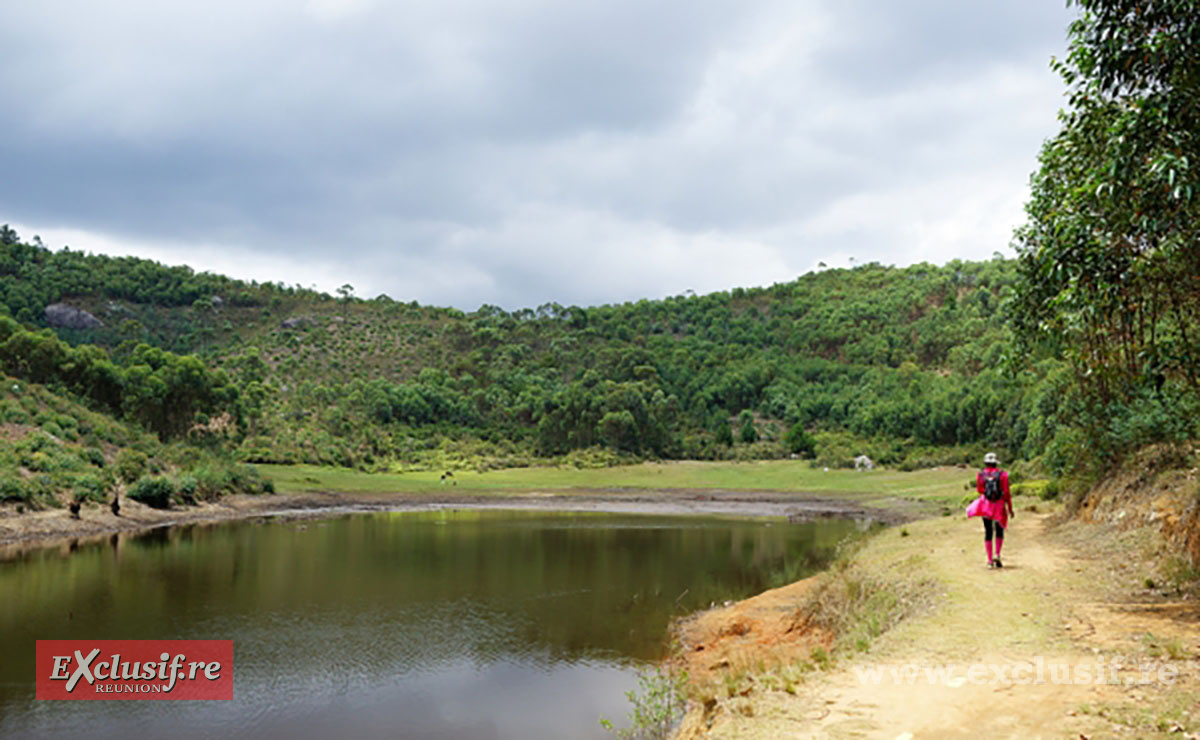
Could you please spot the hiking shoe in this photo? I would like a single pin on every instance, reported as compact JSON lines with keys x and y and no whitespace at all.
{"x":998,"y":563}
{"x":991,"y":564}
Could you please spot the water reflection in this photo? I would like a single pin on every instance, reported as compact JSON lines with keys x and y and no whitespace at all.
{"x":417,"y":624}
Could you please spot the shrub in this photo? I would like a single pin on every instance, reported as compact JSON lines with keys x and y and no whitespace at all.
{"x":12,"y":413}
{"x":658,"y":704}
{"x":88,"y":487}
{"x":12,"y":490}
{"x":799,"y":441}
{"x":131,"y":465}
{"x":39,"y":489}
{"x":93,"y":456}
{"x":748,"y":434}
{"x":153,"y":491}
{"x":188,"y":487}
{"x":211,"y":481}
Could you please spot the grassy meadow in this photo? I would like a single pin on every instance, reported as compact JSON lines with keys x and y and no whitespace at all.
{"x":937,"y":485}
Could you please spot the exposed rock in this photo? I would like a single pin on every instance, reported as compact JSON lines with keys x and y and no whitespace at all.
{"x":62,"y":316}
{"x":296,"y":322}
{"x":218,"y":301}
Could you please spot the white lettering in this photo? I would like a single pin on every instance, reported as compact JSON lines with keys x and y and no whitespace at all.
{"x":83,"y":670}
{"x":176,"y":672}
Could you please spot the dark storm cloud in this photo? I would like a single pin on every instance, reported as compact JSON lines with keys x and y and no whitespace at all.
{"x":519,"y":152}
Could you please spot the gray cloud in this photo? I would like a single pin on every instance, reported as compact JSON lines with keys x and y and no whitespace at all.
{"x":468,"y":152}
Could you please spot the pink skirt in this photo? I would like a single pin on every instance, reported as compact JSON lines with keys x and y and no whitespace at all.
{"x":994,"y":510}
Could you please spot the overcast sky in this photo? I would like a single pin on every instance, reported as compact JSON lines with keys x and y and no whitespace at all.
{"x":515,"y":152}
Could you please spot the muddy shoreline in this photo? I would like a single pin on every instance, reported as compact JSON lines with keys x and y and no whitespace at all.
{"x":32,"y":530}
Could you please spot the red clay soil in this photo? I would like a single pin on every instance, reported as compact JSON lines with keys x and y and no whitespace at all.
{"x":763,"y":631}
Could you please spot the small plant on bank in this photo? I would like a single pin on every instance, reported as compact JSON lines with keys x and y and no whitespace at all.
{"x":821,"y":658}
{"x":1179,"y":572}
{"x":155,"y":492}
{"x":658,"y":704}
{"x":1175,"y":649}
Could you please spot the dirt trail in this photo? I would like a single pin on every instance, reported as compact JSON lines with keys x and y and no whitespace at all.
{"x":1047,"y":607}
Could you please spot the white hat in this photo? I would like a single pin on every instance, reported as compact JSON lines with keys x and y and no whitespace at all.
{"x":991,"y":458}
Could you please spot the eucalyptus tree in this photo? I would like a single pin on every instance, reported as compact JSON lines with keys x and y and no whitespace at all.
{"x":1109,"y":256}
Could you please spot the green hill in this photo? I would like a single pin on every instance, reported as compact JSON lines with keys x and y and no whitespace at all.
{"x":904,"y":364}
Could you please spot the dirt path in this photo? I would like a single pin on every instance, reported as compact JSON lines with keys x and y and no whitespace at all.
{"x":1048,"y":607}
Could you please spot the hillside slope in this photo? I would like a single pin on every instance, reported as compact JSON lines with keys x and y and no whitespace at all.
{"x":906,"y":365}
{"x":54,"y":451}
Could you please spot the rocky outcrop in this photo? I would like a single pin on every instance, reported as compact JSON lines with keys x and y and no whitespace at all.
{"x":62,"y":316}
{"x":297,"y":322}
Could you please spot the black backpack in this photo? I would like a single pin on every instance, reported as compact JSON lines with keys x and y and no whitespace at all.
{"x":991,"y":486}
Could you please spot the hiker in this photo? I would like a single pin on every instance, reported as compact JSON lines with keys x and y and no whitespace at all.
{"x":994,"y":505}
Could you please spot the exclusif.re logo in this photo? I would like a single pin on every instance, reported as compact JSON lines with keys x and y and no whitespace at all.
{"x":134,"y":669}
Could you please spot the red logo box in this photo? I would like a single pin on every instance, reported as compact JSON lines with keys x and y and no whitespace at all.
{"x":134,"y":669}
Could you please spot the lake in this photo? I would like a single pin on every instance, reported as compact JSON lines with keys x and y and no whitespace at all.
{"x":422,"y":624}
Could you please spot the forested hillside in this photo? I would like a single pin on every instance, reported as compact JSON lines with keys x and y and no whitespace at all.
{"x":912,"y":366}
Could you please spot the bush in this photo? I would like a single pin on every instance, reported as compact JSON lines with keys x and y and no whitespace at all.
{"x":93,"y":456}
{"x":131,"y":465}
{"x":748,"y":435}
{"x":12,"y":490}
{"x":155,"y":492}
{"x":12,"y":413}
{"x":211,"y":481}
{"x":658,"y":703}
{"x":723,"y":433}
{"x":188,"y":487}
{"x":89,"y":488}
{"x":799,"y":441}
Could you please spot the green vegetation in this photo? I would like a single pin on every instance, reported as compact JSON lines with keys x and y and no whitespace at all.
{"x":54,"y":450}
{"x":1108,"y":260}
{"x":943,"y":486}
{"x":166,"y":393}
{"x":658,"y":704}
{"x":905,"y":365}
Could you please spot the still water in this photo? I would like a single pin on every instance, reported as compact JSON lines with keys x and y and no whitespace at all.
{"x":434,"y":624}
